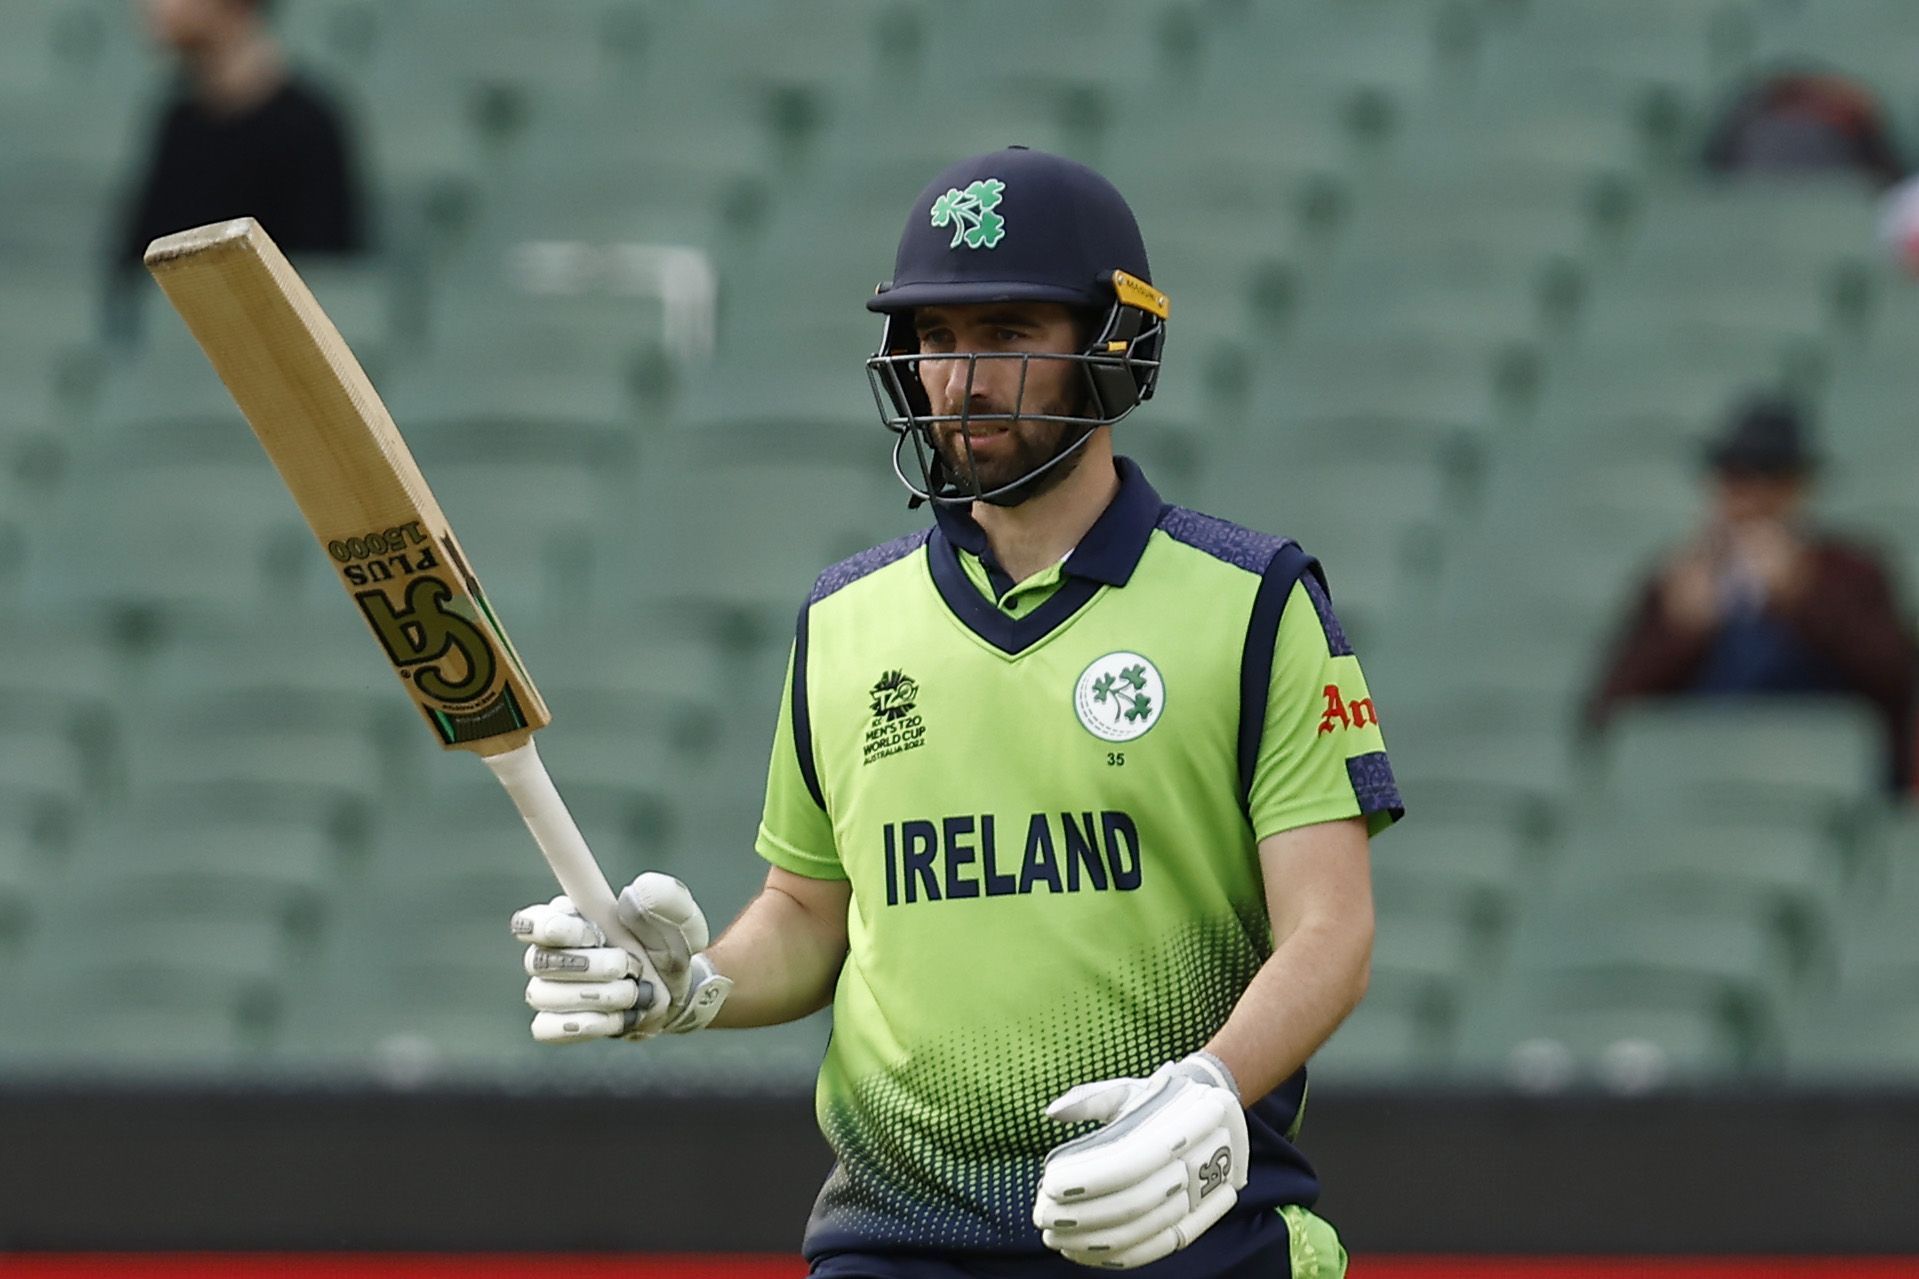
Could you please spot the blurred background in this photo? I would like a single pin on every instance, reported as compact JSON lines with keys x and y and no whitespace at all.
{"x":1579,"y":338}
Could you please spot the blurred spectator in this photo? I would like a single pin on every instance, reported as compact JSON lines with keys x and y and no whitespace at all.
{"x":241,"y":134}
{"x":1801,"y":122}
{"x":1760,"y":602}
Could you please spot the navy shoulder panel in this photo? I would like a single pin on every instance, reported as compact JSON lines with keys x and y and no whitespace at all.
{"x":853,"y":568}
{"x":1221,"y":539}
{"x":1336,"y":642}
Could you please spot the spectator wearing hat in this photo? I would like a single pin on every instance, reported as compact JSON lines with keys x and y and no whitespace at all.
{"x":1760,"y":602}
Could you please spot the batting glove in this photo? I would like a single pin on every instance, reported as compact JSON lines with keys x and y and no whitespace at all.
{"x":581,"y":988}
{"x":1169,"y":1162}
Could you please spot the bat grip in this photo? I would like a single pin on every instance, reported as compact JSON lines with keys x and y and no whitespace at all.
{"x":525,"y":778}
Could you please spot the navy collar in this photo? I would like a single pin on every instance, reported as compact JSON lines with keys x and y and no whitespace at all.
{"x":1107,"y":554}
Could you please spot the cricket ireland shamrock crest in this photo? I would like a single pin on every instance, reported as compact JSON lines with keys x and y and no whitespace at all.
{"x":1119,"y":697}
{"x":970,"y":213}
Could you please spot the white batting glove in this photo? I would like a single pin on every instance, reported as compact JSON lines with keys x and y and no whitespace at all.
{"x":582,"y":989}
{"x":1169,"y":1162}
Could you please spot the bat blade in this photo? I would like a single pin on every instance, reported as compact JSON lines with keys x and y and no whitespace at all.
{"x":326,"y":430}
{"x":320,"y":420}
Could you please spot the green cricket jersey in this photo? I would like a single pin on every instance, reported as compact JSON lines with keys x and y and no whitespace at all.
{"x":1047,"y":797}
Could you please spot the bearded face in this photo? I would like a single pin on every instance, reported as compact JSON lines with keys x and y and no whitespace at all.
{"x":984,"y":455}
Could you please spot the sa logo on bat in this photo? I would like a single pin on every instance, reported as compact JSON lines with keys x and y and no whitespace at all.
{"x":419,"y":631}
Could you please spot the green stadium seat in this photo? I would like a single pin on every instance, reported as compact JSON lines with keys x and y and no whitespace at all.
{"x":1418,"y":377}
{"x":1552,"y":1037}
{"x":1572,"y":581}
{"x":1627,"y":380}
{"x":1399,"y":50}
{"x":725,"y":578}
{"x":535,"y":41}
{"x":463,"y":816}
{"x":754,"y":395}
{"x":1369,"y":497}
{"x":44,"y":755}
{"x":1387,"y":1040}
{"x":1855,"y":1042}
{"x":1462,"y":867}
{"x":321,"y":651}
{"x":245,"y":848}
{"x":1757,"y":755}
{"x":1537,"y":658}
{"x":468,"y":841}
{"x":1543,"y":120}
{"x":1792,"y":876}
{"x":1865,"y":40}
{"x":1480,"y":749}
{"x":1190,"y":200}
{"x":1412,"y":276}
{"x":182,"y":518}
{"x":23,"y":869}
{"x":1869,"y":402}
{"x":1421,"y":948}
{"x":757,"y":45}
{"x":127,"y":1024}
{"x":575,"y":177}
{"x":1625,"y":945}
{"x":452,"y":1019}
{"x":272,"y":739}
{"x":1687,"y":44}
{"x":232,"y":935}
{"x":1056,"y":71}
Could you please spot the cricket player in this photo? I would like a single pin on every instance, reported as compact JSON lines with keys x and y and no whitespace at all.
{"x":1067,"y":813}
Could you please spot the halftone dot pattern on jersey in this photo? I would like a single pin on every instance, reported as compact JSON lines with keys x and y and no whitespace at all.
{"x":946,"y":1150}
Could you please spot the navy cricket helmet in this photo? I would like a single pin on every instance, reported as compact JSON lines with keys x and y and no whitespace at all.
{"x":1016,"y":225}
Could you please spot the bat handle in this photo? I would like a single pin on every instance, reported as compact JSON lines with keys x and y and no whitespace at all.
{"x":525,"y":778}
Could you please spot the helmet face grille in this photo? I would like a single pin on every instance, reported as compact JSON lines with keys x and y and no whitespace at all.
{"x":1113,"y":381}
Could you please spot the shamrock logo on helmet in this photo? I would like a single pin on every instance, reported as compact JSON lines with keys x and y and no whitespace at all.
{"x":970,"y":213}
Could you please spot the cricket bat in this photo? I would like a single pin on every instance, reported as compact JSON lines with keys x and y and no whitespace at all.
{"x":320,"y":420}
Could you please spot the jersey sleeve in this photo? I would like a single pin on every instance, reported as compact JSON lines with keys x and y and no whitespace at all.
{"x":795,"y":832}
{"x":1321,"y":754}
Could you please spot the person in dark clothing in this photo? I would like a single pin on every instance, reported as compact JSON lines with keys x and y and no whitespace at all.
{"x":1801,"y":122}
{"x":1761,"y":603}
{"x":241,"y":135}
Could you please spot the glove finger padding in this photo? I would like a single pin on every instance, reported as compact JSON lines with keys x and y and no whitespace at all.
{"x":660,"y":912}
{"x":576,"y":1028}
{"x":1126,"y":1232}
{"x":556,"y":924}
{"x":597,"y":963}
{"x":1054,"y":1217}
{"x":583,"y":996}
{"x":1160,"y":1244}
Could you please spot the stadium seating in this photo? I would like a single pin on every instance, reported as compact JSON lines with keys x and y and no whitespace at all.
{"x":1449,"y":307}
